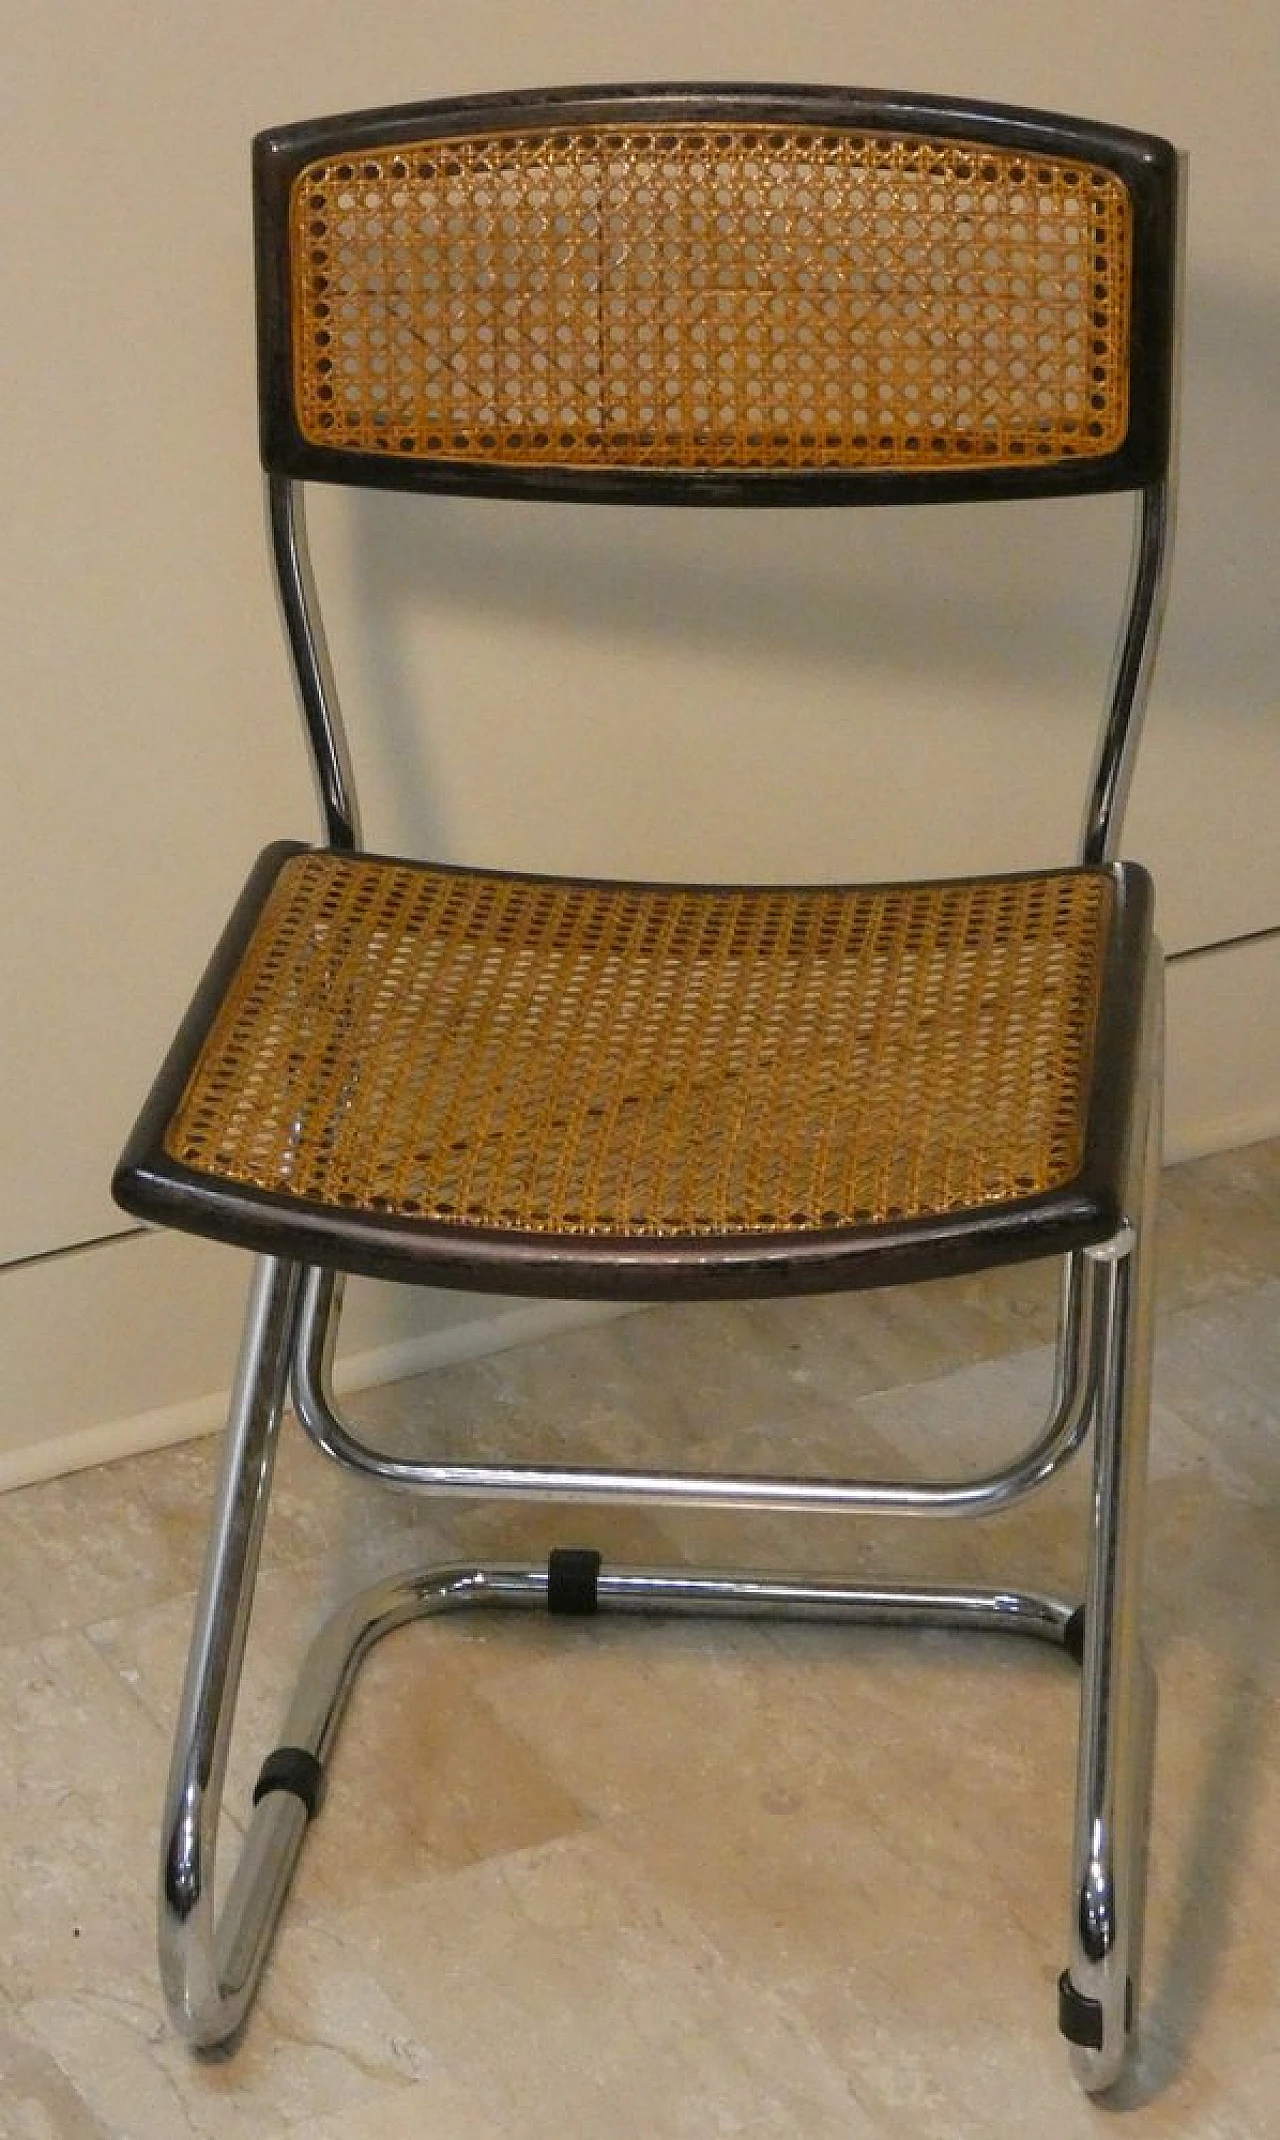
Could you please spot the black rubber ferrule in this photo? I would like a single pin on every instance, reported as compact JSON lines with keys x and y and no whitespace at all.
{"x":572,"y":1576}
{"x":1073,"y":1635}
{"x":292,"y":1768}
{"x":1079,"y":2019}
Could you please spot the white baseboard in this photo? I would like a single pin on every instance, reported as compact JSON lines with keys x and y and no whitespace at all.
{"x":132,"y":1436}
{"x":88,"y":1334}
{"x":1223,"y":1050}
{"x":1222,"y":1133}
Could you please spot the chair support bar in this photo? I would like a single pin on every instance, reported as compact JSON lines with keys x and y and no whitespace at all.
{"x":205,"y":1970}
{"x":317,"y":692}
{"x":1131,"y":671}
{"x":1067,"y":1425}
{"x":211,"y":1976}
{"x":211,"y":1963}
{"x":1119,"y":1698}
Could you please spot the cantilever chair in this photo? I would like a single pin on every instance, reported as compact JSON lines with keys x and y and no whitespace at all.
{"x":722,"y":297}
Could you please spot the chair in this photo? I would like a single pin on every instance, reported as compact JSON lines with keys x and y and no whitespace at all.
{"x":719,"y":297}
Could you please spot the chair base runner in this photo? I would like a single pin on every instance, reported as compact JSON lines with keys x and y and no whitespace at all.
{"x":574,"y":1582}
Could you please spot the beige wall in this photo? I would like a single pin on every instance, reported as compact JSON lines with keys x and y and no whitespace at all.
{"x":561,"y":712}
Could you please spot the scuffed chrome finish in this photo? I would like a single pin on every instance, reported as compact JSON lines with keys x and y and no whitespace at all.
{"x":326,"y":736}
{"x":328,"y":1674}
{"x":1131,"y":674}
{"x":209,"y":1972}
{"x":1118,"y":1686}
{"x":1067,"y":1425}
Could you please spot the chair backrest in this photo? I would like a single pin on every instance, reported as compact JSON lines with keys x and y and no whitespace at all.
{"x":717,"y":295}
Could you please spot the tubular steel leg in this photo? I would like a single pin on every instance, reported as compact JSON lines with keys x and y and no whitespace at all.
{"x":209,"y":1970}
{"x":1098,"y":1992}
{"x":982,"y":1495}
{"x":346,"y":1638}
{"x":291,"y":1786}
{"x":211,"y":1963}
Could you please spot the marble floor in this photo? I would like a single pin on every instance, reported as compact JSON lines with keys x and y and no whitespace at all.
{"x":658,"y":1880}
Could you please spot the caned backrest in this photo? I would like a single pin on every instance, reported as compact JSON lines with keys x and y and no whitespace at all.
{"x":739,"y":295}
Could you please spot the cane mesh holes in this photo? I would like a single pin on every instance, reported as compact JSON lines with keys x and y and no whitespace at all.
{"x":704,"y":297}
{"x":566,"y":1058}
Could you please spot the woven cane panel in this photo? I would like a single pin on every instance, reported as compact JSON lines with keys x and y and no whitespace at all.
{"x":705,"y":297}
{"x":557,"y":1057}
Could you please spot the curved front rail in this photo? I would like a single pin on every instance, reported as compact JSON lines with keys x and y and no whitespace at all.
{"x":211,"y":1970}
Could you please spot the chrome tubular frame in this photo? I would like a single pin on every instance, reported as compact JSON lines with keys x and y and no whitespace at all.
{"x":210,"y":1973}
{"x":1118,"y":1695}
{"x":312,"y":670}
{"x":209,"y":1970}
{"x":1130,"y":673}
{"x":1141,"y":619}
{"x":211,"y":1959}
{"x":1130,"y":681}
{"x":211,"y":1964}
{"x":1062,"y":1435}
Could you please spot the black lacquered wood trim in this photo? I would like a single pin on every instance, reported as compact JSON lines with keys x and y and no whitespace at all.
{"x":1117,"y":1059}
{"x":140,"y":1182}
{"x":1083,"y":1213}
{"x":1146,"y":164}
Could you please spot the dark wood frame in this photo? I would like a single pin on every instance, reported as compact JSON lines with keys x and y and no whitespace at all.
{"x":1147,"y":165}
{"x":1080,"y":1214}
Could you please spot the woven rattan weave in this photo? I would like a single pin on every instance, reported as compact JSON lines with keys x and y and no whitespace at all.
{"x":704,"y":297}
{"x":552,"y":1056}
